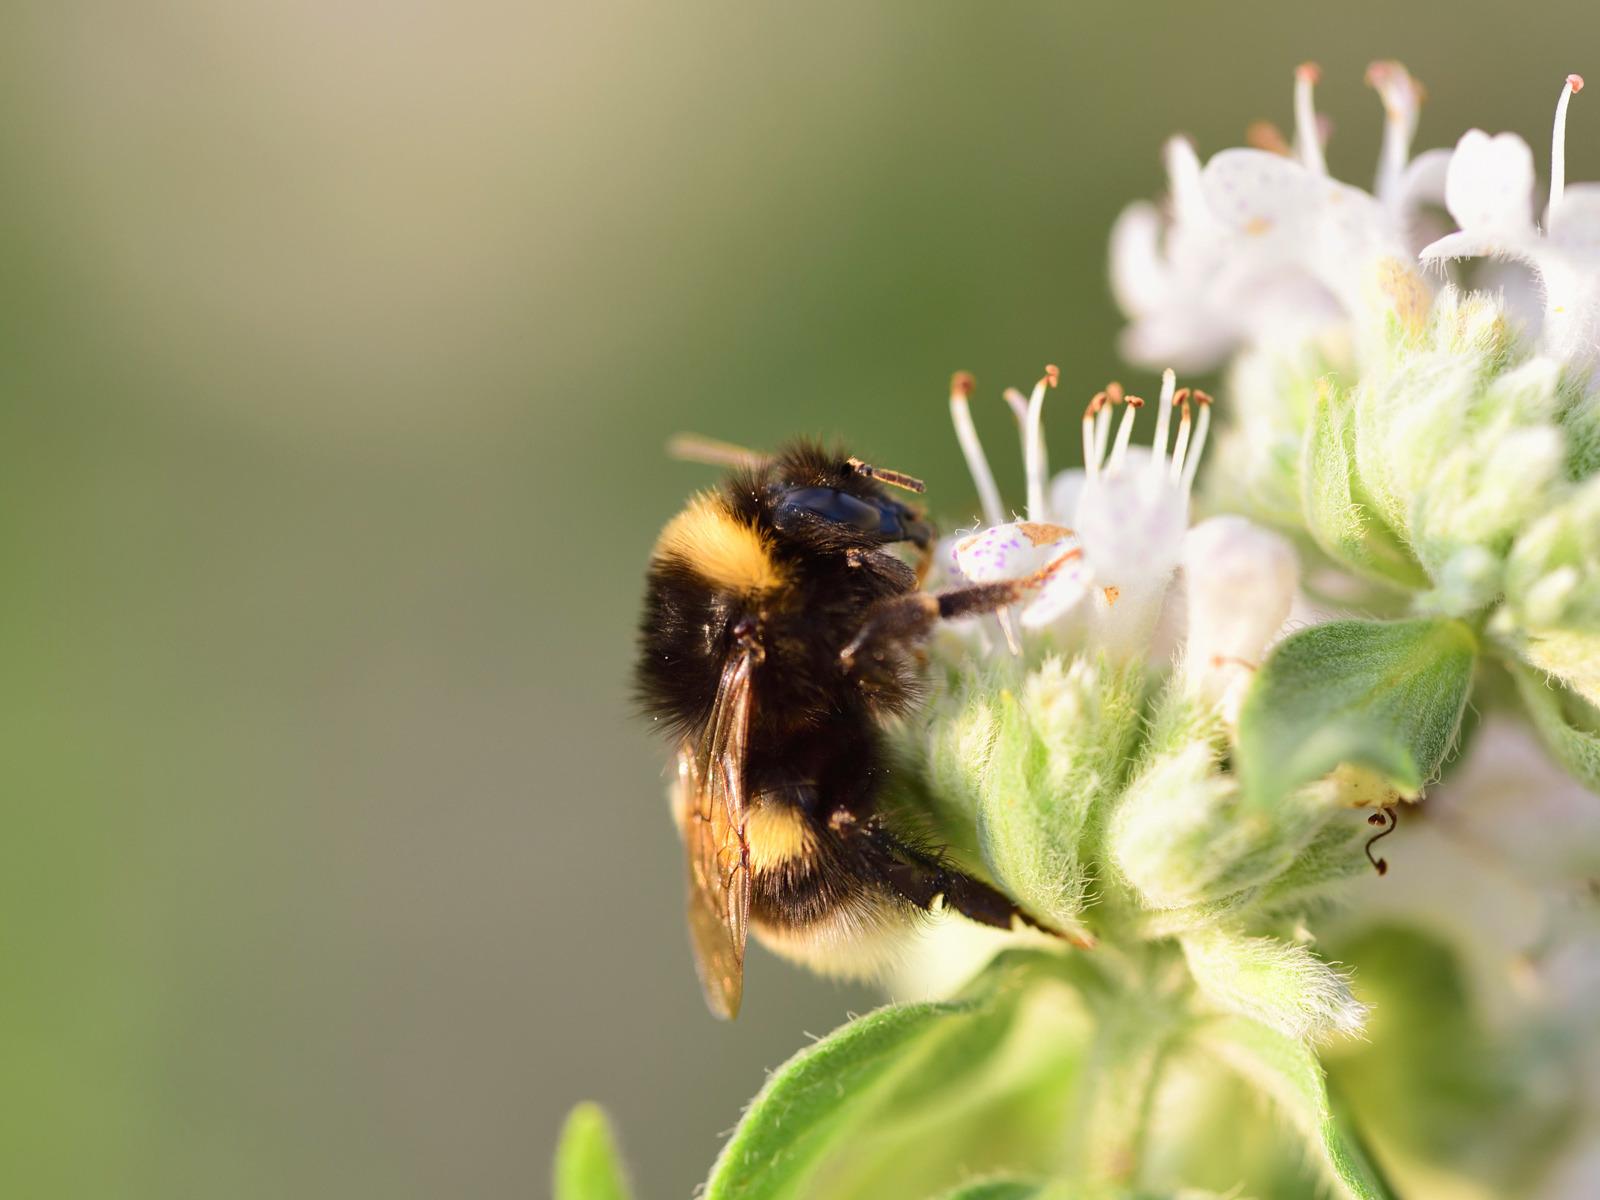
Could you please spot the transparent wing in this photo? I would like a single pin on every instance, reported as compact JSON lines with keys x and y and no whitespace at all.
{"x":711,"y":793}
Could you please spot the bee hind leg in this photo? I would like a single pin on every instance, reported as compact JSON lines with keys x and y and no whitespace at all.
{"x":923,"y":878}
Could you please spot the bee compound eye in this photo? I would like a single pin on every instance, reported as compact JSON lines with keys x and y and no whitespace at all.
{"x":882,"y":518}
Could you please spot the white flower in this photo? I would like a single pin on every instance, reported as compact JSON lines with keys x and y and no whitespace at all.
{"x":1489,"y":192}
{"x":1240,"y":583}
{"x":1108,"y":536}
{"x":1262,"y":246}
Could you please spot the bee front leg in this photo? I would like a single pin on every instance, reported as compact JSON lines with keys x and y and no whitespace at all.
{"x":902,"y":620}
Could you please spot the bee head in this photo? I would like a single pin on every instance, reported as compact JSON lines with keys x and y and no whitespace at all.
{"x":827,"y":502}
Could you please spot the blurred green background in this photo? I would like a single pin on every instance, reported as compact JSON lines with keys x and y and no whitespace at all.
{"x":338,"y":344}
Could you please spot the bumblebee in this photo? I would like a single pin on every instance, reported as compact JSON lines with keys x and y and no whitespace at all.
{"x":778,"y":635}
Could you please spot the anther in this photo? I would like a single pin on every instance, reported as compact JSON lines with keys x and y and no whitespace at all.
{"x":1113,"y":392}
{"x":1181,"y":396}
{"x":1264,"y":135}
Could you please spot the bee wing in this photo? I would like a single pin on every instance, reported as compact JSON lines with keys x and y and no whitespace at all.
{"x":712,"y":813}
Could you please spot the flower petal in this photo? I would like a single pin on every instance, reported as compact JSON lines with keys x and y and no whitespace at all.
{"x":1489,"y":186}
{"x":1011,"y":551}
{"x":1060,"y":595}
{"x":1574,"y":223}
{"x":1140,"y":280}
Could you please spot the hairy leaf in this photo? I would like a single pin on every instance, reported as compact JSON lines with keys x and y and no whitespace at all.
{"x":1385,"y":695}
{"x":1338,"y":514}
{"x":876,"y":1065}
{"x":1568,"y":723}
{"x":1285,"y":1070}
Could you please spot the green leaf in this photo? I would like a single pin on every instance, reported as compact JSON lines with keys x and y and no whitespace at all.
{"x":997,"y":1189}
{"x":875,"y":1064}
{"x":1387,"y":696}
{"x":1339,"y":516}
{"x":1569,"y":724}
{"x":587,"y":1165}
{"x":1442,"y":1076}
{"x":1285,"y":1070}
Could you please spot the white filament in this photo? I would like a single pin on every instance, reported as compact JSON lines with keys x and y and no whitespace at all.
{"x":1305,"y":120}
{"x":977,"y":463}
{"x":1558,"y":149}
{"x":1124,"y":434}
{"x":1034,"y":461}
{"x":1169,"y":384}
{"x":1193,"y":463}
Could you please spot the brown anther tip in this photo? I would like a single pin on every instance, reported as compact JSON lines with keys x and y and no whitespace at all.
{"x":1052,"y":374}
{"x":1181,"y":396}
{"x":1096,"y":403}
{"x":1133,"y":402}
{"x":1114,"y":392}
{"x":1575,"y":82}
{"x":1383,"y":71}
{"x":1382,"y":866}
{"x":1309,"y":71}
{"x":1202,"y":397}
{"x":1377,"y":819}
{"x":1264,"y":135}
{"x":962,"y":384}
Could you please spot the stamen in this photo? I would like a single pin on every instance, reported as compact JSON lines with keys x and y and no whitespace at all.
{"x":961,"y":385}
{"x":1402,"y":97}
{"x":1018,"y":403}
{"x":1203,"y":425}
{"x":1034,"y":460}
{"x":1124,"y":433}
{"x":1180,"y":444}
{"x":1558,"y":149}
{"x":1091,"y":464}
{"x":1308,"y":137}
{"x":1169,"y":381}
{"x":1019,"y":407}
{"x":1102,"y":422}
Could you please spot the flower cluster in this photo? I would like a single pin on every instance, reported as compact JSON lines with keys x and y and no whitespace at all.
{"x":1097,"y":778}
{"x":1181,"y":748}
{"x":1434,"y":452}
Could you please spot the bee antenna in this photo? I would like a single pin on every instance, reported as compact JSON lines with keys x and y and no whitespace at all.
{"x":897,"y":479}
{"x":711,"y":452}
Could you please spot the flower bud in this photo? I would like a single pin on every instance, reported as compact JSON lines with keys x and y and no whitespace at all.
{"x":1241,"y":580}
